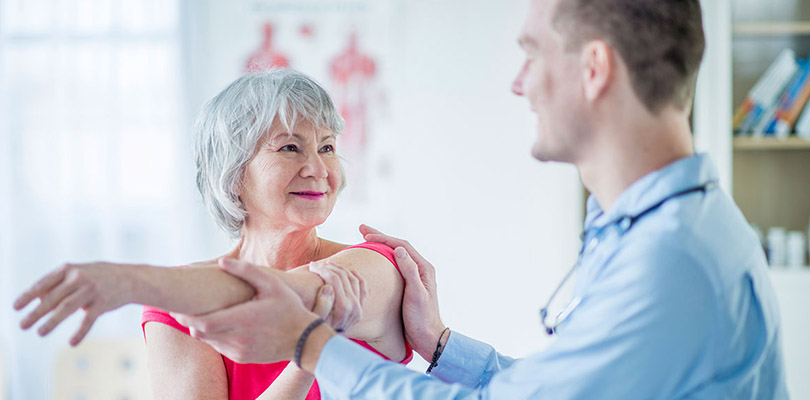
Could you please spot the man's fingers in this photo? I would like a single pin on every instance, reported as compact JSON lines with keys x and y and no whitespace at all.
{"x":215,"y":322}
{"x":363,"y":288}
{"x":367,"y":230}
{"x":324,"y":301}
{"x":43,"y":285}
{"x":409,"y":269}
{"x":186,"y":320}
{"x":384,"y":239}
{"x":342,"y":277}
{"x":393,"y":243}
{"x":330,"y":276}
{"x":341,"y":288}
{"x":46,"y":304}
{"x":256,"y":276}
{"x":65,"y":308}
{"x":354,"y":281}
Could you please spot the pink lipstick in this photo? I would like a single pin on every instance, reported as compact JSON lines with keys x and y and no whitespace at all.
{"x":307,"y":194}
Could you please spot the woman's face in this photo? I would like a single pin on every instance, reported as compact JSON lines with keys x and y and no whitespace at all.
{"x":293,"y":179}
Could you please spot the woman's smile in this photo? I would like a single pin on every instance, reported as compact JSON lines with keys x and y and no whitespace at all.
{"x":310,"y":195}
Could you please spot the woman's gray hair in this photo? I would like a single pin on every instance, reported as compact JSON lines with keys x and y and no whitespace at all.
{"x":231,"y":124}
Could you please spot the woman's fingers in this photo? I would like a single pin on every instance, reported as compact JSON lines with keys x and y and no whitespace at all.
{"x":90,"y":316}
{"x":43,"y":285}
{"x":68,"y":306}
{"x":47,"y":303}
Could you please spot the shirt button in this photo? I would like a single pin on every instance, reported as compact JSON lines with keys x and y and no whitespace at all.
{"x":624,"y":224}
{"x":592,"y":245}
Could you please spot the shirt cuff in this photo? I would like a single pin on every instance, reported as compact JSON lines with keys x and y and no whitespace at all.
{"x":341,"y":366}
{"x":464,"y":360}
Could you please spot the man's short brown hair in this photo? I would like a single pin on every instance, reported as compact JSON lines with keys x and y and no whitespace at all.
{"x":660,"y":41}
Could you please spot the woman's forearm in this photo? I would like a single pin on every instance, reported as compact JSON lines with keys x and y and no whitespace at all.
{"x":190,"y":290}
{"x":203,"y":289}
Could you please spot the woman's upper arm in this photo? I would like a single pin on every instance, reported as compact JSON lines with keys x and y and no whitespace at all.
{"x":384,"y":285}
{"x":181,"y":367}
{"x":382,"y":317}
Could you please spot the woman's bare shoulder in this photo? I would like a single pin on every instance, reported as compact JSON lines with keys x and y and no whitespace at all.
{"x":330,"y":248}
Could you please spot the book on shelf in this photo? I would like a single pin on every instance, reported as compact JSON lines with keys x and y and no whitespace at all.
{"x":779,"y":124}
{"x":803,"y":125}
{"x":762,"y":98}
{"x":779,"y":102}
{"x":795,"y":103}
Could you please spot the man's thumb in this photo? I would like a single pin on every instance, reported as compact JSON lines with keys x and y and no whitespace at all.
{"x":324,"y":301}
{"x":408,"y":268}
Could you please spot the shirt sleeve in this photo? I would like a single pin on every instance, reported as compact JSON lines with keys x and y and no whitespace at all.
{"x":469,"y":362}
{"x":644,"y":324}
{"x":369,"y":377}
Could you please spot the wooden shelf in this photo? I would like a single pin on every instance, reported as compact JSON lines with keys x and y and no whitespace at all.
{"x":769,"y":143}
{"x":772,"y":28}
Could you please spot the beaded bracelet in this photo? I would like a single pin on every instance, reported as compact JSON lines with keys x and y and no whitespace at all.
{"x":438,"y":353}
{"x":299,"y":347}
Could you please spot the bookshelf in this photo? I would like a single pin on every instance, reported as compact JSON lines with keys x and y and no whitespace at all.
{"x":754,"y":144}
{"x":770,"y":177}
{"x":768,"y":28}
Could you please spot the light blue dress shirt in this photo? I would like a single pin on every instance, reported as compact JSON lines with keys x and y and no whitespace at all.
{"x":677,"y":306}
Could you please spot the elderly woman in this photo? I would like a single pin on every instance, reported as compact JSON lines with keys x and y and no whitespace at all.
{"x":268,"y":171}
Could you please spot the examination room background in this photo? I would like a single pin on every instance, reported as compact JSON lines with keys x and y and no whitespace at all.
{"x":96,"y":102}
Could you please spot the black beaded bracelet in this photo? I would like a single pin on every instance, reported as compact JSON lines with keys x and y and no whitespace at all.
{"x":299,"y":347}
{"x":438,"y":353}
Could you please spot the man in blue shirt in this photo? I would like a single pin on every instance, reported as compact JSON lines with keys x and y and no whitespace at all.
{"x":672,"y":297}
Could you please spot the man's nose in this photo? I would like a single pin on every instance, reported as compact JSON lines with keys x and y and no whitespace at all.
{"x":517,"y":84}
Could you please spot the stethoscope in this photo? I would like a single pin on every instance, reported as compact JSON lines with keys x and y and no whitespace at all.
{"x":624,"y":223}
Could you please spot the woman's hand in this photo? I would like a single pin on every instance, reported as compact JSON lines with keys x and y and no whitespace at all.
{"x":350,"y":293}
{"x":94,"y":287}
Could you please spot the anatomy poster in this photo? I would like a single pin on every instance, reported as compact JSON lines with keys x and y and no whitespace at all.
{"x":345,"y":45}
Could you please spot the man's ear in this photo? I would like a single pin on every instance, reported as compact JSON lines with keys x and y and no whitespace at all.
{"x":597,"y":68}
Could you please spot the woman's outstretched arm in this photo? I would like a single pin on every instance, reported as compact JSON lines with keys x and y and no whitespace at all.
{"x":100,"y":287}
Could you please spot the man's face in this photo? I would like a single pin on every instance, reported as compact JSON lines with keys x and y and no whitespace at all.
{"x":550,"y":79}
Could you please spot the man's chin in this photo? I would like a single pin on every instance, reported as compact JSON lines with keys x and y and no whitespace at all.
{"x":540,"y":154}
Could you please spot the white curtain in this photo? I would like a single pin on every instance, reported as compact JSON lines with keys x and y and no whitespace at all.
{"x":94,"y":158}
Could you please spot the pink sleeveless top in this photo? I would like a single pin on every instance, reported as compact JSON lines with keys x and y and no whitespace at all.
{"x":248,"y":381}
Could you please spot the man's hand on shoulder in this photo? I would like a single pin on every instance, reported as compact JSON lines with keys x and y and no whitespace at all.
{"x":420,"y":304}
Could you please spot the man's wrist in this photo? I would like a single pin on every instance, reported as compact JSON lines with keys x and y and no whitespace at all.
{"x":437,"y":353}
{"x":313,"y":346}
{"x":428,"y":345}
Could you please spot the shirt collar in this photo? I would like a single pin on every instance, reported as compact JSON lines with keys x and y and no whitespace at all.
{"x":652,"y":188}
